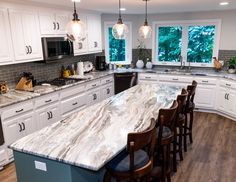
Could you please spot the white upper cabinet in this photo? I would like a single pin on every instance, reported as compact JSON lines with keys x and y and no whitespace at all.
{"x":53,"y":23}
{"x":6,"y":53}
{"x":81,"y":47}
{"x":94,"y":33}
{"x":25,"y":35}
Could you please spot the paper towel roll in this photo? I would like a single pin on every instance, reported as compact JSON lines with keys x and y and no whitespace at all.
{"x":80,"y":69}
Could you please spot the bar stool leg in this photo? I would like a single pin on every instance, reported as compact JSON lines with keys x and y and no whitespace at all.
{"x":185,"y":132}
{"x":174,"y":152}
{"x":180,"y":142}
{"x":190,"y":127}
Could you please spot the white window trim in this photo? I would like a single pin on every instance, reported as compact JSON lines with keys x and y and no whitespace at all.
{"x":128,"y":59}
{"x":185,"y":24}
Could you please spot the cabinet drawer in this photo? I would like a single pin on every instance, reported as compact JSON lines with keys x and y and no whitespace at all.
{"x":73,"y":103}
{"x":175,"y":78}
{"x":17,"y":110}
{"x":207,"y":81}
{"x":227,"y":83}
{"x":93,"y":84}
{"x":106,"y":80}
{"x":73,"y":91}
{"x":93,"y":97}
{"x":42,"y":101}
{"x":146,"y":76}
{"x":107,"y":91}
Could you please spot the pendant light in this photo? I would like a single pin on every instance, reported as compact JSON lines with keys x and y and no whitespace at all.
{"x":120,"y":30}
{"x":75,"y":29}
{"x":145,"y":31}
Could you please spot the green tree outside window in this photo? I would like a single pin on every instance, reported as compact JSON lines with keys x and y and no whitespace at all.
{"x":117,"y":48}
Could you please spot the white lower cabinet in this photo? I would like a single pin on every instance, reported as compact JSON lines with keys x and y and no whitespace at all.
{"x":93,"y":96}
{"x":18,"y":127}
{"x":48,"y":115}
{"x":107,"y":91}
{"x":73,"y":104}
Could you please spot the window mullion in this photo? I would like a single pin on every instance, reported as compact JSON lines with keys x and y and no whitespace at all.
{"x":184,"y":43}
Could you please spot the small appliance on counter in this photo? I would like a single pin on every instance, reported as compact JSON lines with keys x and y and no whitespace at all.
{"x":3,"y":87}
{"x":26,"y":82}
{"x":100,"y":63}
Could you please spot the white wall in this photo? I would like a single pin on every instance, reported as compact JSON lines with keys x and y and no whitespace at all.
{"x":228,"y":29}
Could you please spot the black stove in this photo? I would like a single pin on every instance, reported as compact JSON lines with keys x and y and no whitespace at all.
{"x":60,"y":81}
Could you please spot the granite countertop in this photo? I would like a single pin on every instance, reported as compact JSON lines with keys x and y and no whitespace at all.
{"x":93,"y":136}
{"x":14,"y":97}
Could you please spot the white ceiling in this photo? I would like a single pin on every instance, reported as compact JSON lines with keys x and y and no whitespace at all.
{"x":137,"y":6}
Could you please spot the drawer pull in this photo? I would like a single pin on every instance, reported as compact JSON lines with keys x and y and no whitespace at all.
{"x":47,"y":101}
{"x":148,"y":77}
{"x":94,"y":85}
{"x":49,"y":116}
{"x":19,"y":110}
{"x":229,"y":85}
{"x":20,"y":127}
{"x":175,"y":79}
{"x":94,"y":96}
{"x":204,"y":81}
{"x":108,"y":91}
{"x":107,"y":81}
{"x":23,"y":124}
{"x":75,"y":103}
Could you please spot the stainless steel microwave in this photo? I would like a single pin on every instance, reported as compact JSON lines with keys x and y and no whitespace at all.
{"x":55,"y":48}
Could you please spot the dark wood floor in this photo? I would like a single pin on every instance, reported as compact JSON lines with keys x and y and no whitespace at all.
{"x":211,"y":158}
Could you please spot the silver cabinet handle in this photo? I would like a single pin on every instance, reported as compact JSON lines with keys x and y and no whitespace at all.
{"x":95,"y":44}
{"x":175,"y":79}
{"x":51,"y":114}
{"x":204,"y":81}
{"x":94,"y":96}
{"x":20,"y":127}
{"x":27,"y":50}
{"x":20,"y":110}
{"x":80,"y":45}
{"x":75,"y":103}
{"x":227,"y":96}
{"x":58,"y":26}
{"x":23,"y":124}
{"x":54,"y":26}
{"x":108,"y":91}
{"x":49,"y":117}
{"x":47,"y":101}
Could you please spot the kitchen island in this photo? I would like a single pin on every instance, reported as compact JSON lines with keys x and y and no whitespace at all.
{"x":77,"y":148}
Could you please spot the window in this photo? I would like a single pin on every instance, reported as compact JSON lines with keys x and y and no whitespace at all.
{"x":117,"y":51}
{"x":195,"y":41}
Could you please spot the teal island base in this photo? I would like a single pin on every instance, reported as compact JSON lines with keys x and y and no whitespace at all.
{"x":31,"y":168}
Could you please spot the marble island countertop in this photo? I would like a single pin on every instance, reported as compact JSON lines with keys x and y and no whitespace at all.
{"x":14,"y":97}
{"x":91,"y":137}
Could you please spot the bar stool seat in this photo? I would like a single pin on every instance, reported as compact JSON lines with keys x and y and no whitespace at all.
{"x":121,"y":162}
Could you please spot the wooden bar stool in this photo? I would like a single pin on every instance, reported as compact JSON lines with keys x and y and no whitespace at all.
{"x":190,"y":106}
{"x":135,"y":162}
{"x":165,"y":135}
{"x":179,"y":124}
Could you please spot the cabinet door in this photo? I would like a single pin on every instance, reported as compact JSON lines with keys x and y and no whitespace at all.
{"x":48,"y":24}
{"x":222,"y":99}
{"x":61,"y":22}
{"x":32,"y":35}
{"x":107,"y":91}
{"x":81,"y":47}
{"x":42,"y":118}
{"x":93,"y":97}
{"x":232,"y":102}
{"x":29,"y":125}
{"x":17,"y":31}
{"x":94,"y":33}
{"x":55,"y":114}
{"x":6,"y":54}
{"x":205,"y":96}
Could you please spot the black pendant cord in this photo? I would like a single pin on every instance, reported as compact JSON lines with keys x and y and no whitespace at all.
{"x":120,"y":21}
{"x":75,"y":15}
{"x":146,"y":22}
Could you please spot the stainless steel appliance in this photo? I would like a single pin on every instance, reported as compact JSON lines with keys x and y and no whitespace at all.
{"x":100,"y":63}
{"x":55,"y":48}
{"x":1,"y":133}
{"x":60,"y":81}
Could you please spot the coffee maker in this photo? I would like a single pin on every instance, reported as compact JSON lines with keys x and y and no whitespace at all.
{"x":100,"y":63}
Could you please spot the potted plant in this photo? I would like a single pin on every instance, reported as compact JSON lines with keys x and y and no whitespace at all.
{"x":143,"y":54}
{"x":232,"y":65}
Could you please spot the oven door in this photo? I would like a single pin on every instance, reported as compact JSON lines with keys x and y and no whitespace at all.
{"x":55,"y":48}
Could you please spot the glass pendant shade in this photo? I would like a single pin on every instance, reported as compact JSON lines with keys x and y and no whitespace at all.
{"x":120,"y":30}
{"x":145,"y":31}
{"x":75,"y":29}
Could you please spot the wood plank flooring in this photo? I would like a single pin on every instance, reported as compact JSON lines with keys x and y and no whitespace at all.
{"x":211,"y":158}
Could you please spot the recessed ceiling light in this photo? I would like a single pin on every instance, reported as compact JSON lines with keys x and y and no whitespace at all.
{"x":123,"y":9}
{"x":224,"y":3}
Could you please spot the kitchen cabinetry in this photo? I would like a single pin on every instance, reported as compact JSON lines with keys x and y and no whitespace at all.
{"x":25,"y":35}
{"x":227,"y":97}
{"x":53,"y":23}
{"x":175,"y":80}
{"x":48,"y":115}
{"x":94,"y":33}
{"x":81,"y":47}
{"x":107,"y":91}
{"x":205,"y":92}
{"x":147,"y":78}
{"x":16,"y":128}
{"x":93,"y":97}
{"x":6,"y":52}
